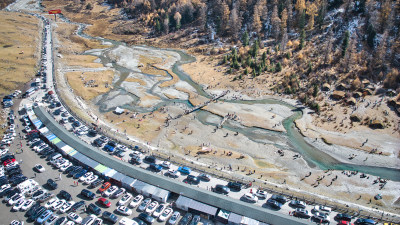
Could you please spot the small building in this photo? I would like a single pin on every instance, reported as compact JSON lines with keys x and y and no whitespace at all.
{"x":151,"y":191}
{"x":119,"y":111}
{"x":338,"y":95}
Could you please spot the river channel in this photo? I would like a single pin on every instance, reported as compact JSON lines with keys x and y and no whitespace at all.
{"x":291,"y":140}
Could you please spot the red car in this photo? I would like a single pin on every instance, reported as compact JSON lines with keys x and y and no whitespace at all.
{"x":8,"y":161}
{"x":343,"y":222}
{"x":104,"y":202}
{"x":104,"y":187}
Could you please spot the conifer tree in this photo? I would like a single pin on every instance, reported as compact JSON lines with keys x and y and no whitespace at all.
{"x":311,"y":12}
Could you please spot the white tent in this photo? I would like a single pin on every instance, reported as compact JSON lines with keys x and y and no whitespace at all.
{"x":118,"y":110}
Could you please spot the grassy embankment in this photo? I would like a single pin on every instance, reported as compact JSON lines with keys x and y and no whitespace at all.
{"x":20,"y":51}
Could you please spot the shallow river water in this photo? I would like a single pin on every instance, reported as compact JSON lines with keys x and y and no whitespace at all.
{"x":291,"y":140}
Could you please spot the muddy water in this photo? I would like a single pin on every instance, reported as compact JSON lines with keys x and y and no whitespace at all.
{"x":291,"y":140}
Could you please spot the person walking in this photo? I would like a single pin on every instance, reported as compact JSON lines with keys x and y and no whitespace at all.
{"x":59,"y":176}
{"x":34,"y":174}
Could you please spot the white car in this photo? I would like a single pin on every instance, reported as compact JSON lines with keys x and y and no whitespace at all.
{"x":3,"y":151}
{"x":66,"y":206}
{"x":173,"y":173}
{"x":15,"y":199}
{"x":90,"y":179}
{"x":136,"y":153}
{"x":58,"y":205}
{"x":261,"y":194}
{"x":19,"y":204}
{"x":62,"y":163}
{"x":152,"y":207}
{"x":166,"y":214}
{"x":28,"y":129}
{"x":51,"y":220}
{"x":166,"y":164}
{"x":174,"y":218}
{"x":250,"y":197}
{"x":321,"y":208}
{"x":70,"y":223}
{"x":89,"y":220}
{"x":39,"y":168}
{"x":85,"y":176}
{"x":125,"y":199}
{"x":4,"y":187}
{"x":65,"y":166}
{"x":74,"y":217}
{"x":98,"y":221}
{"x":124,"y":210}
{"x":110,"y":191}
{"x":27,"y":204}
{"x":52,"y":202}
{"x":160,"y":209}
{"x":136,"y":201}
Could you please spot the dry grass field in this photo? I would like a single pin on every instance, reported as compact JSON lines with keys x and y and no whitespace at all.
{"x":19,"y":44}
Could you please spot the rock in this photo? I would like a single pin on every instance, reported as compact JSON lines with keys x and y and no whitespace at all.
{"x":355,"y":118}
{"x":337,"y":95}
{"x":326,"y":87}
{"x":351,"y":101}
{"x":341,"y":87}
{"x":376,"y":124}
{"x":357,"y":94}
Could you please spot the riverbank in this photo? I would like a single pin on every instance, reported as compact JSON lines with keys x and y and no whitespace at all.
{"x":262,"y":161}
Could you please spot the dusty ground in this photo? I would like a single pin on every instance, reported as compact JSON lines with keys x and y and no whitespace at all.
{"x":19,"y":52}
{"x":19,"y":43}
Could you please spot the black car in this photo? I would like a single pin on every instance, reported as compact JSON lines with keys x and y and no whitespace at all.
{"x":92,"y":133}
{"x":61,"y":220}
{"x":136,"y":160}
{"x":75,"y":171}
{"x":155,"y":167}
{"x":219,"y":188}
{"x":110,"y":217}
{"x":5,"y":192}
{"x":37,"y":194}
{"x":186,"y":219}
{"x":7,"y":156}
{"x":274,"y":204}
{"x":52,"y":184}
{"x":235,"y":186}
{"x":69,"y":169}
{"x":33,"y":209}
{"x":192,"y":179}
{"x":279,"y":198}
{"x":65,"y":195}
{"x":16,"y":170}
{"x":19,"y":180}
{"x":146,"y":218}
{"x":94,"y":209}
{"x":71,"y":119}
{"x":96,"y":183}
{"x":343,"y":216}
{"x":37,"y":213}
{"x":204,"y":177}
{"x":88,"y":194}
{"x":98,"y":143}
{"x":150,"y":159}
{"x":77,"y":206}
{"x":112,"y":143}
{"x":76,"y":123}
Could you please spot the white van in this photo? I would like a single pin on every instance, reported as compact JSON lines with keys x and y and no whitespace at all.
{"x":126,"y":221}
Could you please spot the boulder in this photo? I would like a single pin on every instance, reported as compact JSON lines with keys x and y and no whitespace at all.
{"x":355,"y":117}
{"x":351,"y":101}
{"x":357,"y":94}
{"x":376,"y":124}
{"x":338,"y":95}
{"x":326,"y":87}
